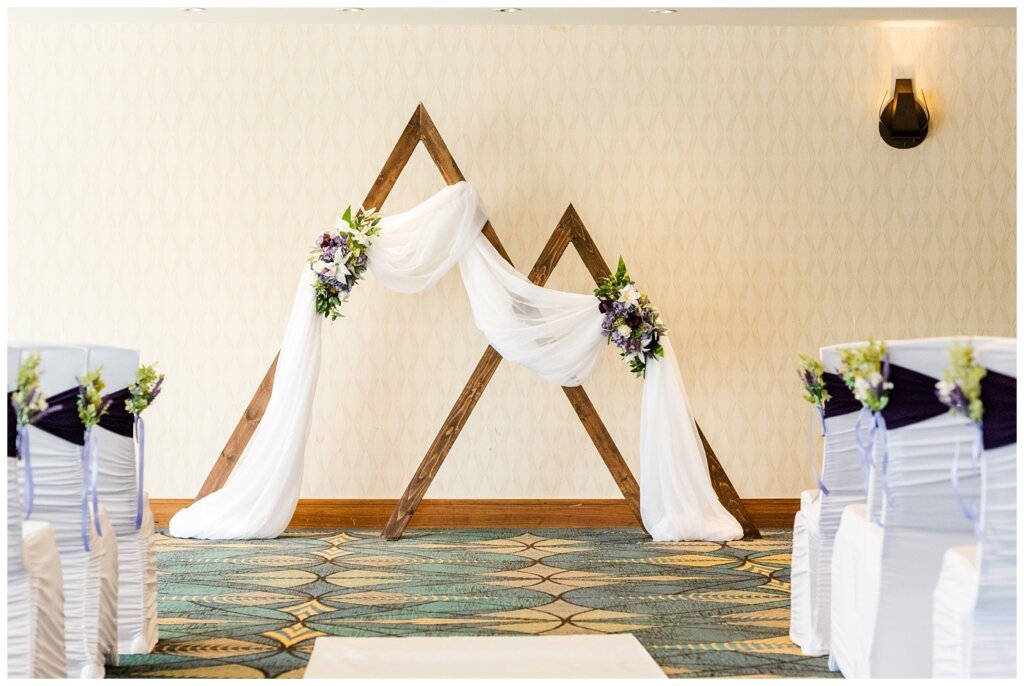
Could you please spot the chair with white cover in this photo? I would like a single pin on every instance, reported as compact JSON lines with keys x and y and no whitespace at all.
{"x":888,"y":552}
{"x":975,"y":611}
{"x":88,"y":560}
{"x":35,"y":595}
{"x":815,"y":526}
{"x":128,"y":507}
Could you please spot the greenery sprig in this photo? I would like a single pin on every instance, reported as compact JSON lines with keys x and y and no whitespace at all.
{"x":28,"y":399}
{"x":813,"y":376}
{"x":91,"y":403}
{"x":865,"y":371}
{"x":144,"y":390}
{"x":960,"y":387}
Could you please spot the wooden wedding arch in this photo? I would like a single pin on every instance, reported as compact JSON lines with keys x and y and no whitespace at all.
{"x":570,"y":229}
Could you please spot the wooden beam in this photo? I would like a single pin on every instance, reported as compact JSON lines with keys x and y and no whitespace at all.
{"x":239,"y":438}
{"x":727,"y":494}
{"x":253,"y":414}
{"x":481,"y":376}
{"x":372,"y":514}
{"x":599,"y":269}
{"x":442,"y":444}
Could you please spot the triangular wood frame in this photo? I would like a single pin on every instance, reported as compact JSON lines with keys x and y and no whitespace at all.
{"x":570,"y":229}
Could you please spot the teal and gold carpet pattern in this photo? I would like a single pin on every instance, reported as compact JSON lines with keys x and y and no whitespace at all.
{"x":253,"y":608}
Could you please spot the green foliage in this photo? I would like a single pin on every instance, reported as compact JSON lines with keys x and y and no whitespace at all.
{"x":28,"y":399}
{"x":608,"y":288}
{"x":813,"y":376}
{"x":864,"y":370}
{"x":144,"y":389}
{"x":960,"y":387}
{"x":91,"y":405}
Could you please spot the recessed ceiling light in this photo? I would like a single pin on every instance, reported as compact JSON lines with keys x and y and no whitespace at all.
{"x":662,"y":10}
{"x":195,"y":9}
{"x":350,"y":9}
{"x":510,"y":10}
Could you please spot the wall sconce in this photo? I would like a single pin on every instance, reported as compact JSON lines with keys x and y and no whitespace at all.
{"x":903,"y":121}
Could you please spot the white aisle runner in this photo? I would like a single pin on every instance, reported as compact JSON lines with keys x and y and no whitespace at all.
{"x":594,"y":656}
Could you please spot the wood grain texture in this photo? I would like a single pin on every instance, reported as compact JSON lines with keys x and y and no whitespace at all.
{"x":477,"y":513}
{"x":727,"y":494}
{"x":253,"y":414}
{"x":442,"y":444}
{"x":240,"y":436}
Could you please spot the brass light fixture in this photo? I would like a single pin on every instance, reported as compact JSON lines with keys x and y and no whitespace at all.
{"x":903,"y":121}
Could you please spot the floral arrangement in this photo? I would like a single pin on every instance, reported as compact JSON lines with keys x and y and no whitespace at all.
{"x":866,"y":372}
{"x":145,"y":389}
{"x":960,"y":387}
{"x":91,"y":403}
{"x":630,"y":321}
{"x":28,"y":399}
{"x":339,"y":259}
{"x":813,"y":376}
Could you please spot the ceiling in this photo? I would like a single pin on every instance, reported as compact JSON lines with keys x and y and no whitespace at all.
{"x":909,"y":17}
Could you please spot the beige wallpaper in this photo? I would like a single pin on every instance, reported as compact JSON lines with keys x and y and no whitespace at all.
{"x":165,"y":181}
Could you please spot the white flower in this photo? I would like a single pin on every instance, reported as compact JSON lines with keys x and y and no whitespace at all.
{"x":629,"y":294}
{"x":625,"y":330}
{"x":340,"y":270}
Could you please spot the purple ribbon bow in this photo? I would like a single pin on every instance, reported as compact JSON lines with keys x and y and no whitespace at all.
{"x":25,"y":454}
{"x":140,"y":438}
{"x":810,"y":448}
{"x":85,"y":489}
{"x":971,"y":514}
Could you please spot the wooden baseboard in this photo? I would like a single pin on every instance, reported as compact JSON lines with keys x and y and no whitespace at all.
{"x":315,"y":513}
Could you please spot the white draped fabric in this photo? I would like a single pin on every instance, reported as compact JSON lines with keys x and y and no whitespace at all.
{"x":553,"y":333}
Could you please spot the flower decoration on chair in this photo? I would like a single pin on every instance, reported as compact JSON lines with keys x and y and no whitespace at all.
{"x":960,"y":387}
{"x":30,"y":405}
{"x":339,"y":259}
{"x":630,"y":321}
{"x":960,"y":391}
{"x":812,"y":374}
{"x":143,"y":391}
{"x":91,"y":407}
{"x":865,"y":372}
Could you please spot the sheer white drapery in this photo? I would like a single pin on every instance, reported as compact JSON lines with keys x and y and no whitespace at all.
{"x":556,"y":334}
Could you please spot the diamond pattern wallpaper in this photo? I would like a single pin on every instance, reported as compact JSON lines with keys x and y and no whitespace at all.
{"x":167,"y":178}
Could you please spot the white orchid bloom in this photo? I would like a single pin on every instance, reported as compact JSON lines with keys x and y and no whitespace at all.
{"x":341,"y":270}
{"x":625,"y":330}
{"x":629,"y":294}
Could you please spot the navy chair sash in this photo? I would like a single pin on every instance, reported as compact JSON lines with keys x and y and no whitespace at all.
{"x":842,"y":400}
{"x":913,"y":400}
{"x":63,"y":422}
{"x":118,"y":419}
{"x":999,"y":423}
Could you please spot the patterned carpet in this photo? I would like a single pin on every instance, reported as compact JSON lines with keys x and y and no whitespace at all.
{"x":253,"y":608}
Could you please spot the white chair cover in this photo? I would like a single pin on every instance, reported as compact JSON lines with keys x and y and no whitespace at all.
{"x":35,"y":599}
{"x":975,"y":612}
{"x":883,"y":575}
{"x":18,"y":620}
{"x":815,"y":526}
{"x":90,"y":578}
{"x":137,"y":629}
{"x":46,"y":588}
